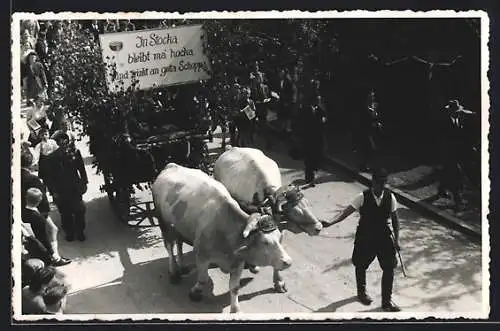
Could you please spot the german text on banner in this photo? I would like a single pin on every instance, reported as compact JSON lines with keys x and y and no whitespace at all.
{"x":159,"y":57}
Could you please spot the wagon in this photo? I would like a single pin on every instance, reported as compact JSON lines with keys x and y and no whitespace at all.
{"x":135,"y":164}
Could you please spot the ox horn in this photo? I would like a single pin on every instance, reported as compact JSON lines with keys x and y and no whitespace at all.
{"x":280,"y":197}
{"x":252,"y":224}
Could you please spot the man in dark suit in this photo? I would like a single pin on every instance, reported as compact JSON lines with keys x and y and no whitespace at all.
{"x":69,"y":186}
{"x":286,"y":92}
{"x":312,"y":119}
{"x":453,"y":143}
{"x":261,"y":95}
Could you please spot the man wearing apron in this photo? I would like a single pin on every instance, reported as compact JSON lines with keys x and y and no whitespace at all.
{"x":374,"y":237}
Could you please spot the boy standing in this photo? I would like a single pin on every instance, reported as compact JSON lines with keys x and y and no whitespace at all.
{"x":43,"y":228}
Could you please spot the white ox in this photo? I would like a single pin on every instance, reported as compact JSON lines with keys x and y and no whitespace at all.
{"x":196,"y":209}
{"x":254,"y":179}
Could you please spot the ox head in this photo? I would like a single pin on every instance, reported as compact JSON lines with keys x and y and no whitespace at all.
{"x":262,"y":243}
{"x":296,"y":211}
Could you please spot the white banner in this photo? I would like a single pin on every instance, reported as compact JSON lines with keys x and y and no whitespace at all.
{"x":158,"y":57}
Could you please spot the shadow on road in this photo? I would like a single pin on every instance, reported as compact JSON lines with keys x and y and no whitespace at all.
{"x":452,"y":268}
{"x":145,"y":288}
{"x":106,"y":234}
{"x":444,"y":266}
{"x":336,"y":305}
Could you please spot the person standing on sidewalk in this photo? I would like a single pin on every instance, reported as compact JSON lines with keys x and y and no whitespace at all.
{"x":246,"y":118}
{"x":68,"y":184}
{"x":374,"y":237}
{"x":313,"y":119}
{"x":43,"y":150}
{"x":261,"y":95}
{"x":43,"y":228}
{"x":452,"y":150}
{"x":36,"y":80}
{"x":285,"y":88}
{"x":370,"y":133}
{"x":232,"y":99}
{"x":30,"y":180}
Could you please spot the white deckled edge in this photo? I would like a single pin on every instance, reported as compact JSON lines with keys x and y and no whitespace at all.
{"x":15,"y":166}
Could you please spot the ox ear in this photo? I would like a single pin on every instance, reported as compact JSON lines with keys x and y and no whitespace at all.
{"x":252,"y":224}
{"x":240,"y":250}
{"x":280,"y":198}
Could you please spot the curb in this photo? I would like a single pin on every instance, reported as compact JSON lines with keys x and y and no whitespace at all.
{"x":405,"y":198}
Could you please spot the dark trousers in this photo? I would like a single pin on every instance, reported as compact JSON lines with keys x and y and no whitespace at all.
{"x":313,"y":156}
{"x":262,"y":124}
{"x":37,"y":250}
{"x":243,"y":131}
{"x":72,"y":211}
{"x":364,"y":253}
{"x":451,"y":180}
{"x":310,"y":168}
{"x":232,"y":133}
{"x":369,"y":150}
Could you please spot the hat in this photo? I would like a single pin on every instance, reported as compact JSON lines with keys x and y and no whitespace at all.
{"x":380,"y":173}
{"x":60,"y":135}
{"x":27,"y":54}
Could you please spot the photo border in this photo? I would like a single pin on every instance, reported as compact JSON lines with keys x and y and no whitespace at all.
{"x":485,"y":129}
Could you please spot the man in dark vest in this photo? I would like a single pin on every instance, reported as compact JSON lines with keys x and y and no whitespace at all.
{"x":374,"y":237}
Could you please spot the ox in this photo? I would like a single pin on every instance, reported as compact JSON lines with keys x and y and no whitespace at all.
{"x":196,"y":209}
{"x":254,"y":180}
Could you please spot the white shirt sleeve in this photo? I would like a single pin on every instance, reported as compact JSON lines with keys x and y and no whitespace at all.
{"x":358,"y":201}
{"x":394,"y":203}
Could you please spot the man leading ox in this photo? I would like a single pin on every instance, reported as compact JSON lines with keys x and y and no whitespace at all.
{"x":374,"y":237}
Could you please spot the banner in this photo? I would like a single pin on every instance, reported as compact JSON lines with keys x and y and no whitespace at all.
{"x":158,"y":57}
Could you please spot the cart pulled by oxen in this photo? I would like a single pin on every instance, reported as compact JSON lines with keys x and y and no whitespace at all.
{"x":226,"y":225}
{"x":135,"y":156}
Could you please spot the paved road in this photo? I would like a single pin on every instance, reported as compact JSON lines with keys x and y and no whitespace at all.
{"x":123,"y":270}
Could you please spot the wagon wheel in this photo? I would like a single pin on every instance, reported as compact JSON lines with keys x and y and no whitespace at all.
{"x":108,"y":181}
{"x":122,"y":203}
{"x":205,"y":164}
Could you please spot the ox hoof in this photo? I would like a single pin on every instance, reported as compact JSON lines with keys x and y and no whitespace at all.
{"x":175,"y":278}
{"x":280,"y":287}
{"x":184,"y":270}
{"x":235,"y":310}
{"x":195,"y":295}
{"x":252,"y":268}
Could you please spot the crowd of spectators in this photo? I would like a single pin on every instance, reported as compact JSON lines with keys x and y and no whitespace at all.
{"x":50,"y":165}
{"x":295,"y":94}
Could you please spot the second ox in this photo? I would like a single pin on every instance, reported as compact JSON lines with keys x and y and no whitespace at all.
{"x":254,"y":180}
